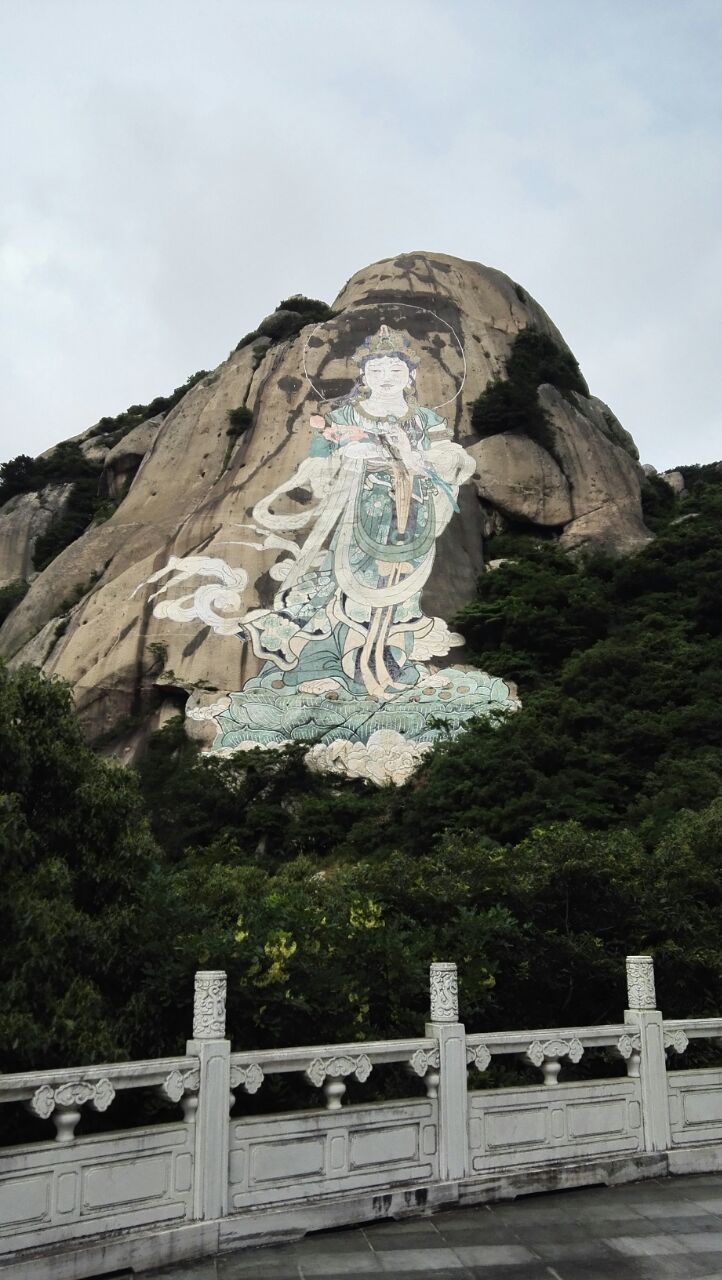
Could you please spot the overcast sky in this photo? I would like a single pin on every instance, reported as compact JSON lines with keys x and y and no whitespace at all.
{"x":171,"y":169}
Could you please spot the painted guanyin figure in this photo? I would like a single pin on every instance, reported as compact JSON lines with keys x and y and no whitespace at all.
{"x":346,"y":644}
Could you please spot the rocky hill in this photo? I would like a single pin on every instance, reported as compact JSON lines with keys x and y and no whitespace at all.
{"x":327,"y":496}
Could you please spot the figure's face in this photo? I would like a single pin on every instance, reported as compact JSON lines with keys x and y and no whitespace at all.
{"x":385,"y":374}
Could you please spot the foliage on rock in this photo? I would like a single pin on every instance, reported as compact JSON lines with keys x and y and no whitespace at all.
{"x":115,"y":428}
{"x":239,"y":420}
{"x":10,"y":595}
{"x":511,"y":403}
{"x":289,"y":317}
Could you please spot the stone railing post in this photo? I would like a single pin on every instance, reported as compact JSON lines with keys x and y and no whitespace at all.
{"x":445,"y":1027}
{"x":209,"y":1045}
{"x":647,"y":1020}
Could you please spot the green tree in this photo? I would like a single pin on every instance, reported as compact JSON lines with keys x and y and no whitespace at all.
{"x":75,"y":851}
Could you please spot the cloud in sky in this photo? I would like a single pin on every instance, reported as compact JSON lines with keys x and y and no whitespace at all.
{"x":172,"y":170}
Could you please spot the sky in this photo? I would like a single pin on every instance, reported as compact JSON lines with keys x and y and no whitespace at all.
{"x":172,"y":169}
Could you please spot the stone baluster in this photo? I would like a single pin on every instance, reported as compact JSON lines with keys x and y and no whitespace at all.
{"x":426,"y":1063}
{"x":183,"y":1087}
{"x":629,"y":1047}
{"x":547,"y":1054}
{"x":450,"y":1034}
{"x":63,"y":1104}
{"x":329,"y":1073}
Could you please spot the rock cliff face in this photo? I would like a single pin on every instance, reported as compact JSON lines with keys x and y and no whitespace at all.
{"x":321,"y":545}
{"x":23,"y":519}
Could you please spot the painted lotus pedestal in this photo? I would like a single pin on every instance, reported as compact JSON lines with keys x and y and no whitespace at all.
{"x":348,"y":658}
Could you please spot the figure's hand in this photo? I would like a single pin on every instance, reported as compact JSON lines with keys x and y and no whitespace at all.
{"x":343,"y":433}
{"x":317,"y":422}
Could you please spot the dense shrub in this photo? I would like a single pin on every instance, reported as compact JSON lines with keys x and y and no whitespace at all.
{"x":658,"y":503}
{"x":104,"y":924}
{"x":133,"y":416}
{"x":65,"y":464}
{"x":289,"y":318}
{"x":239,"y":420}
{"x":10,"y":595}
{"x":74,"y":855}
{"x":20,"y":475}
{"x":512,"y":404}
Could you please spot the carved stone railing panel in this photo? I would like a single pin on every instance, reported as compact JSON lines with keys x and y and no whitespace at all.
{"x":676,"y":1040}
{"x":247,"y":1077}
{"x":250,"y":1078}
{"x":478,"y":1056}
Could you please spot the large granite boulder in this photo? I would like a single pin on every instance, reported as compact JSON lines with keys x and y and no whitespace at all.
{"x":23,"y":519}
{"x":204,"y":506}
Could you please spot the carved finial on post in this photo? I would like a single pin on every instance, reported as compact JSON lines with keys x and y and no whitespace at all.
{"x":640,"y":982}
{"x":444,"y":990}
{"x":209,"y":1005}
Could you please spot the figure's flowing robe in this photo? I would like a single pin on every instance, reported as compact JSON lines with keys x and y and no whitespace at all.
{"x":345,"y":644}
{"x":348,"y":608}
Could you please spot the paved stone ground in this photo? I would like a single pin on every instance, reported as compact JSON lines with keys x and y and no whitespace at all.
{"x":668,"y":1229}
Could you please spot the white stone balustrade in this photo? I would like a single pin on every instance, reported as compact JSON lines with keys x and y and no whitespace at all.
{"x":196,"y":1185}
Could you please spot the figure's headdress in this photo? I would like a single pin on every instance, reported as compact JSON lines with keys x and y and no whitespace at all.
{"x":387,"y":342}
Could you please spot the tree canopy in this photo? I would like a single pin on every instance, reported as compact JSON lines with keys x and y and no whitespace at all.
{"x":535,"y":853}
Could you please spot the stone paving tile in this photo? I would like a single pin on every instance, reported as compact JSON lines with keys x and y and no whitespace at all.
{"x":488,"y":1236}
{"x":682,"y":1226}
{"x":393,"y":1244}
{"x":430,"y":1260}
{"x":575,"y":1250}
{"x":593,"y":1269}
{"x":711,"y":1261}
{"x":519,"y":1217}
{"x":668,"y":1207}
{"x":340,"y":1264}
{"x":646,"y":1246}
{"x":603,"y":1208}
{"x":679,"y":1267}
{"x":537,"y":1236}
{"x":303,"y":1274}
{"x":711,"y":1265}
{"x":404,"y":1227}
{"x":266,"y":1264}
{"x":461,"y":1224}
{"x":446,"y":1273}
{"x":601,"y":1228}
{"x":703,"y":1241}
{"x":503,"y":1255}
{"x":200,"y":1270}
{"x":534,"y":1271}
{"x":332,"y":1242}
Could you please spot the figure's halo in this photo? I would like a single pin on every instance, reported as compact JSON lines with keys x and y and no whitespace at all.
{"x":378,"y":306}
